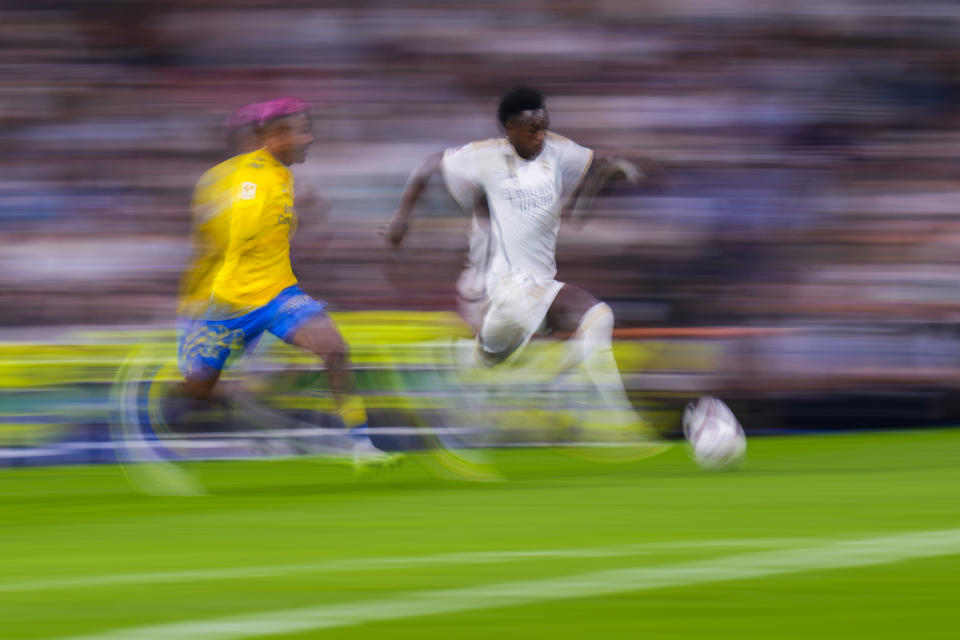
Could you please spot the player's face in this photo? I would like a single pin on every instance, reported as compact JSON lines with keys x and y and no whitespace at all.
{"x":527,"y":132}
{"x":291,"y":138}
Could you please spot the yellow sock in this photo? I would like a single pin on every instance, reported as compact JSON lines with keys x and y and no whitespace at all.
{"x":352,"y":411}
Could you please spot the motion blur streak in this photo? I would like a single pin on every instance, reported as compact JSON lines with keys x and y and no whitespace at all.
{"x":361,"y":564}
{"x":809,"y":150}
{"x":838,"y":555}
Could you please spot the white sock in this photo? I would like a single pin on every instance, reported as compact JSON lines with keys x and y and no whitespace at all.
{"x":595,"y":334}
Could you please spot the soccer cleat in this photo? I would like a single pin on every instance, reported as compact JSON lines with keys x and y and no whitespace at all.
{"x":607,"y":436}
{"x":613,"y":426}
{"x":367,"y":456}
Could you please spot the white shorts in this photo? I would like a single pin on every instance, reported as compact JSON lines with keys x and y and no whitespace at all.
{"x":472,"y":298}
{"x":516,"y":308}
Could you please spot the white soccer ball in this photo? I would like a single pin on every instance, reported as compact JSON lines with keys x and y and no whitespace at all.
{"x":715,"y":435}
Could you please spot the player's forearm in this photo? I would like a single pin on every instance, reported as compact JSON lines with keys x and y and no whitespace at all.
{"x":606,"y":168}
{"x":416,"y":185}
{"x":589,"y":187}
{"x":411,"y":195}
{"x":603,"y":169}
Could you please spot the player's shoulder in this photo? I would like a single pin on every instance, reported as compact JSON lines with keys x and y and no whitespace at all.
{"x":566,"y":153}
{"x":254,"y":163}
{"x":559,"y":142}
{"x":222,"y":172}
{"x":217,"y":172}
{"x":261,"y":168}
{"x":479,"y":148}
{"x":476,"y":157}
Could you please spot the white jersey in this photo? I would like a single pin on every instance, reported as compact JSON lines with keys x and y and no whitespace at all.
{"x":525,"y":198}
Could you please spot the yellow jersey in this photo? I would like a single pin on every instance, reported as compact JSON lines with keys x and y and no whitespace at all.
{"x":210,"y":230}
{"x":254,"y":230}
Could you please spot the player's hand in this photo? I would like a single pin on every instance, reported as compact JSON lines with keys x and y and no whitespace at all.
{"x":653,"y":175}
{"x":394,"y":231}
{"x":630,"y":172}
{"x":642,"y":172}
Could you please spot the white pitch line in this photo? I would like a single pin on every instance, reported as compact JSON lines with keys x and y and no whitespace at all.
{"x":384,"y":563}
{"x":836,"y":555}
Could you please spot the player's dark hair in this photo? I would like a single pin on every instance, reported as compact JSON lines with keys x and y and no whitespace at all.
{"x":518,"y":100}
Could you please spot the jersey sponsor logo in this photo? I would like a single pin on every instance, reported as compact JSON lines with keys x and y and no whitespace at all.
{"x":248,"y":191}
{"x":538,"y":197}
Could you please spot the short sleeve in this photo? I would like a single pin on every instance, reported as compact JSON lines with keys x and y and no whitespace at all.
{"x":203,"y":205}
{"x":461,"y":175}
{"x":574,"y":162}
{"x":248,"y":198}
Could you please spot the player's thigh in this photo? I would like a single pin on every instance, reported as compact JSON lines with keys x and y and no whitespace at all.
{"x":472,"y":311}
{"x":203,"y":350}
{"x":515,"y":313}
{"x":318,"y":334}
{"x":300,"y":320}
{"x":568,"y":308}
{"x":200,"y":384}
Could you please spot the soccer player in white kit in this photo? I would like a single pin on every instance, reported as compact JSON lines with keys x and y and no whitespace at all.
{"x":516,"y":188}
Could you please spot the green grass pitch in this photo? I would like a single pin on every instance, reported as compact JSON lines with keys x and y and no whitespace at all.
{"x":834,"y":536}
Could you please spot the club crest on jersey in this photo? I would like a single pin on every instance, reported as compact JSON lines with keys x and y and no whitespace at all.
{"x":248,"y":191}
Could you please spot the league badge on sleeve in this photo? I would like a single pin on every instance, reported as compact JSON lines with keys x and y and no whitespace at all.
{"x":248,"y":191}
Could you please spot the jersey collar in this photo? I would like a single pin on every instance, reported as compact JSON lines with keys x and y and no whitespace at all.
{"x":270,"y":160}
{"x":514,"y":158}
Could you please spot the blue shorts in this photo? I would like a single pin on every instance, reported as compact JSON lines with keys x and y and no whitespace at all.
{"x":205,"y":345}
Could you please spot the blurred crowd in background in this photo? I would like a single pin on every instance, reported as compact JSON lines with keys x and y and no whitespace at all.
{"x":810,"y":151}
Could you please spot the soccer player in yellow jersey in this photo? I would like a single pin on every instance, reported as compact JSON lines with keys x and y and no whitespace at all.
{"x":210,"y":227}
{"x":253,"y":289}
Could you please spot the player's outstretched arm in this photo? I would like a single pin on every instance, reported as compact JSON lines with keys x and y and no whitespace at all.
{"x":399,"y":223}
{"x":603,"y":169}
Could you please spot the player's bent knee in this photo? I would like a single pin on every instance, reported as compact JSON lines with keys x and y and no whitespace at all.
{"x":492,"y":358}
{"x":340,"y":355}
{"x":200,"y":389}
{"x":598,"y":318}
{"x":323,"y":340}
{"x":335,"y":355}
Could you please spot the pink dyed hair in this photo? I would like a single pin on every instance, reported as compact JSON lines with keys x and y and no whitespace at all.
{"x":245,"y":115}
{"x":279,"y":108}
